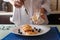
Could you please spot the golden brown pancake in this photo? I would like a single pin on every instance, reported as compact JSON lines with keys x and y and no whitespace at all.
{"x":26,"y":27}
{"x":28,"y":30}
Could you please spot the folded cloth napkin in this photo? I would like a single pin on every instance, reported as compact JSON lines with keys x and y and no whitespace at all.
{"x":53,"y":34}
{"x":19,"y":16}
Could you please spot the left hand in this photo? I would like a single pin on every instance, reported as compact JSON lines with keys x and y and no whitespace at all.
{"x":42,"y":17}
{"x":37,"y":22}
{"x":42,"y":13}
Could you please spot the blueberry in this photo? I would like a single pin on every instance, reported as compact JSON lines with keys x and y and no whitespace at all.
{"x":32,"y":30}
{"x":19,"y":31}
{"x":35,"y":28}
{"x":39,"y":30}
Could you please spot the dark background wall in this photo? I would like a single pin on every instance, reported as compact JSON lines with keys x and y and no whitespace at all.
{"x":1,"y":1}
{"x":5,"y":19}
{"x":54,"y":19}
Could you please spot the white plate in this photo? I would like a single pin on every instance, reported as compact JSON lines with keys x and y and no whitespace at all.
{"x":44,"y":29}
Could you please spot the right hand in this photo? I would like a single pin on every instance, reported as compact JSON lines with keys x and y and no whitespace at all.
{"x":19,"y":3}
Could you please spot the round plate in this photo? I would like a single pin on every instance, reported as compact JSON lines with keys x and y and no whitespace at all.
{"x":44,"y":29}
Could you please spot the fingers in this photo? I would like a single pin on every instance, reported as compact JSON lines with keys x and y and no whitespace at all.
{"x":36,"y":22}
{"x":18,"y":4}
{"x":42,"y":10}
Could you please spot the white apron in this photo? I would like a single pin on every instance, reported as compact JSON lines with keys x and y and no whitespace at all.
{"x":20,"y":16}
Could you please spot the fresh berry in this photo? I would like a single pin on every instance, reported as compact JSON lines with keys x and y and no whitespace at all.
{"x":19,"y":31}
{"x":39,"y":30}
{"x":32,"y":30}
{"x":35,"y":28}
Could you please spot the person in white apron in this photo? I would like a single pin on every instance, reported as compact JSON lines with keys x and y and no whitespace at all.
{"x":23,"y":10}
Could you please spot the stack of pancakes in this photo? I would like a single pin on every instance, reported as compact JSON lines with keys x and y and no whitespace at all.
{"x":28,"y":30}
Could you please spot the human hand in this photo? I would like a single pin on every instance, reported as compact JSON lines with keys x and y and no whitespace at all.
{"x":19,"y":3}
{"x":34,"y":19}
{"x":39,"y":16}
{"x":42,"y":13}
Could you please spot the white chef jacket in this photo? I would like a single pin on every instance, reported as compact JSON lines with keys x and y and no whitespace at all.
{"x":19,"y":14}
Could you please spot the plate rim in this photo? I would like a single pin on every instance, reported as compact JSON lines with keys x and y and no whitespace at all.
{"x":31,"y":35}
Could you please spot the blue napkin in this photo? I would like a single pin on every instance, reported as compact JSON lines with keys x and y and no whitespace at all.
{"x":53,"y":34}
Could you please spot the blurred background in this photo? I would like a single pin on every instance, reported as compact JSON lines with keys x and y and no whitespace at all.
{"x":6,"y":12}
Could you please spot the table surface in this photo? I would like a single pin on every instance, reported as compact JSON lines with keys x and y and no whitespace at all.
{"x":4,"y":32}
{"x":53,"y":34}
